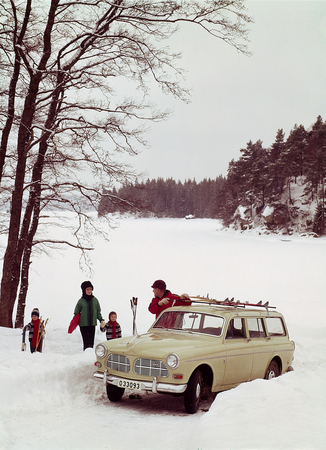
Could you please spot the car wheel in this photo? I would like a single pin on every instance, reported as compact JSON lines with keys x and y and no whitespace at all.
{"x":114,"y":392}
{"x":193,"y":393}
{"x":273,"y":370}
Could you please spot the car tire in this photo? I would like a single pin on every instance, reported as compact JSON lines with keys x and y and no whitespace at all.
{"x":193,"y":393}
{"x":114,"y":392}
{"x":272,"y":371}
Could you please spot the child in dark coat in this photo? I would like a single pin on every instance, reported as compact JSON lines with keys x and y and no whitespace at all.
{"x":33,"y":328}
{"x":112,"y":328}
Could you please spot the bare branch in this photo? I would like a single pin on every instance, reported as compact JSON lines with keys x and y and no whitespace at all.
{"x":49,"y":241}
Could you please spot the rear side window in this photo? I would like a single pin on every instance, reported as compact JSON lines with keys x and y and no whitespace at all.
{"x":275,"y":326}
{"x":236,"y":329}
{"x":256,"y":327}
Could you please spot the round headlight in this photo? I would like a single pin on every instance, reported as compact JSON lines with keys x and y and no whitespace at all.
{"x":172,"y":361}
{"x":101,"y":351}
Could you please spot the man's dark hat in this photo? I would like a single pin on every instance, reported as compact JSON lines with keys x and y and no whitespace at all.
{"x":159,"y":284}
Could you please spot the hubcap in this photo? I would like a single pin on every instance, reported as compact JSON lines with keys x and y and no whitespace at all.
{"x":198,"y":390}
{"x":271,"y":374}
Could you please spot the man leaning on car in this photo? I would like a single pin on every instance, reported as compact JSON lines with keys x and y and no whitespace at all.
{"x":165,"y":299}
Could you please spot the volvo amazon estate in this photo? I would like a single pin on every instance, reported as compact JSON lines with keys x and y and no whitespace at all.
{"x":195,"y":350}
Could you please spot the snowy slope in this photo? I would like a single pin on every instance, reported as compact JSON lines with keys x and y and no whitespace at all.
{"x":50,"y":401}
{"x":294,"y":213}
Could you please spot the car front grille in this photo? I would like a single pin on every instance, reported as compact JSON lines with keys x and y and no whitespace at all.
{"x":150,"y":367}
{"x":118,"y":362}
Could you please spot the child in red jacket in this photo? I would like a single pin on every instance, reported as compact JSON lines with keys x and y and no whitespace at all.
{"x":33,"y":328}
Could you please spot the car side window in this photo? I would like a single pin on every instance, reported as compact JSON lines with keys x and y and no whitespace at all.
{"x":275,"y":326}
{"x":256,"y":327}
{"x":211,"y":325}
{"x":235,"y":329}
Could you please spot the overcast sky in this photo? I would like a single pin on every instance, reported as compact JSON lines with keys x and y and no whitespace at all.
{"x":236,"y":98}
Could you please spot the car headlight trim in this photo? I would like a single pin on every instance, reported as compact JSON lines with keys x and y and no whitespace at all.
{"x":172,"y":361}
{"x":101,"y":351}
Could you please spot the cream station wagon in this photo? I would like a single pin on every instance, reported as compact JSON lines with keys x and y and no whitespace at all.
{"x":198,"y":349}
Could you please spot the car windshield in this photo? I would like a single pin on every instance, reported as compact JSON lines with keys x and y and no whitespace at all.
{"x":191,"y":321}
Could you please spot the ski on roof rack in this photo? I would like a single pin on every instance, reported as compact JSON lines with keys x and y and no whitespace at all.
{"x":229,"y":302}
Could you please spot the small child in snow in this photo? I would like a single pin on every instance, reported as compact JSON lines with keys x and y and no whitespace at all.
{"x":112,"y":328}
{"x":33,"y":328}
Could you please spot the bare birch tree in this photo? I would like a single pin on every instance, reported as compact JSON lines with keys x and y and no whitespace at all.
{"x":63,"y":117}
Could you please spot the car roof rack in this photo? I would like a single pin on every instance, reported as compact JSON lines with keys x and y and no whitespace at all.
{"x":229,"y":302}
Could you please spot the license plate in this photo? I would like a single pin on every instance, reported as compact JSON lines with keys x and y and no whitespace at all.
{"x":129,"y":384}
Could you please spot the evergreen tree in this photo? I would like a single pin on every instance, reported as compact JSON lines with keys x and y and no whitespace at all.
{"x":319,"y":220}
{"x":275,"y":177}
{"x":296,"y":152}
{"x":316,"y":161}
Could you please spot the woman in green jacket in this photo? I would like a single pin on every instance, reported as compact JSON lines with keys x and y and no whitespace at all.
{"x":90,"y":311}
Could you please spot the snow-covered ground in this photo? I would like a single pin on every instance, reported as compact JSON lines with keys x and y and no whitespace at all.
{"x":49,"y":401}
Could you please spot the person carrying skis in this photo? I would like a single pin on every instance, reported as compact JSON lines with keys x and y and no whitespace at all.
{"x":165,"y":299}
{"x":90,"y":311}
{"x":112,"y":328}
{"x":33,"y":327}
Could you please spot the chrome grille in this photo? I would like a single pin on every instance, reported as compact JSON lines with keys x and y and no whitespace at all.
{"x":150,"y":367}
{"x":118,"y":362}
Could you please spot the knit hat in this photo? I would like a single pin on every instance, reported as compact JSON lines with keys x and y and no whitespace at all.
{"x":35,"y":312}
{"x":112,"y":312}
{"x":159,"y":284}
{"x":86,"y":284}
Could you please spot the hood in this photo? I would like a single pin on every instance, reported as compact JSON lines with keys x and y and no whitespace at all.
{"x":159,"y":343}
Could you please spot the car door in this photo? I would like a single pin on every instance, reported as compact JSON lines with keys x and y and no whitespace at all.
{"x":239,"y":353}
{"x":262,"y":346}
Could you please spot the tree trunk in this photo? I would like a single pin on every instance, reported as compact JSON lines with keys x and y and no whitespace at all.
{"x":10,"y":261}
{"x":20,"y":314}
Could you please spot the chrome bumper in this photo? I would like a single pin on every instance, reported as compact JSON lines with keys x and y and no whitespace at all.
{"x":152,"y":386}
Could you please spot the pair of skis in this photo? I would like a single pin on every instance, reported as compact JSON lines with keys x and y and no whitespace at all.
{"x":40,"y":334}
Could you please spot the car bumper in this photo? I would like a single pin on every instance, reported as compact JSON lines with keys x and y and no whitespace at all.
{"x":152,"y":386}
